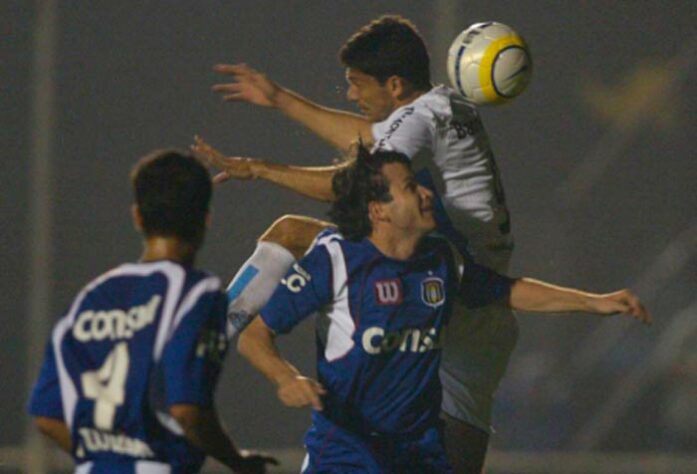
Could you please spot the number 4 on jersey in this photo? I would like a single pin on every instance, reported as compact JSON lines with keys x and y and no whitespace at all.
{"x":106,"y":386}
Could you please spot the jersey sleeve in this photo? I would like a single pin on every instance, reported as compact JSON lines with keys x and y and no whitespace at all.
{"x":45,"y":397}
{"x":481,"y":286}
{"x":306,"y":288}
{"x":193,"y":357}
{"x":408,"y":132}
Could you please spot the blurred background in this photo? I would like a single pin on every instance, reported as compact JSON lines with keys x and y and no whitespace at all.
{"x":597,"y":158}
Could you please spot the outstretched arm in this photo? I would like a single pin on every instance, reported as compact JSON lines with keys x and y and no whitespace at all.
{"x":528,"y":294}
{"x":314,"y":182}
{"x":337,"y":127}
{"x":256,"y":344}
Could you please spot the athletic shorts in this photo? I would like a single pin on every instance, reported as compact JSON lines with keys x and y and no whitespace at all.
{"x":333,"y":449}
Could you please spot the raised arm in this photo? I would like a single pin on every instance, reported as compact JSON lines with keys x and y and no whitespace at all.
{"x":256,"y":344}
{"x":338,"y":127}
{"x":314,"y":182}
{"x":528,"y":294}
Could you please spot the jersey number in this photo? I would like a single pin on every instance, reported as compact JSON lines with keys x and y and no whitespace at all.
{"x":106,"y":386}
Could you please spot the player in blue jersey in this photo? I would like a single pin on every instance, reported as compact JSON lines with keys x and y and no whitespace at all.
{"x":129,"y":374}
{"x":384,"y":293}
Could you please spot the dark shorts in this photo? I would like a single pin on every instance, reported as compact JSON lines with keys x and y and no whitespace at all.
{"x":466,"y":445}
{"x":332,"y":449}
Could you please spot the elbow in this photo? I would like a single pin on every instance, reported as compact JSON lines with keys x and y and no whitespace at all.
{"x":187,"y":416}
{"x":46,"y":426}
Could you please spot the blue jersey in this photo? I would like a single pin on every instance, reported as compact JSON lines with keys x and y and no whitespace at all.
{"x":380,"y":327}
{"x":135,"y":341}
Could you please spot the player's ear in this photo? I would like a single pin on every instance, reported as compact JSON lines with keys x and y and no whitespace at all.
{"x":395,"y":86}
{"x":376,"y":211}
{"x":398,"y":87}
{"x":137,"y":217}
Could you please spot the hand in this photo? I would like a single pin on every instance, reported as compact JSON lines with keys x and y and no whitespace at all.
{"x":231,"y":166}
{"x":251,"y":462}
{"x":248,"y":86}
{"x":622,"y":301}
{"x":299,"y":391}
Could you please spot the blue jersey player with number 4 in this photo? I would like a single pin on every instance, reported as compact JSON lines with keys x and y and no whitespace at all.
{"x":384,"y":292}
{"x":129,"y":374}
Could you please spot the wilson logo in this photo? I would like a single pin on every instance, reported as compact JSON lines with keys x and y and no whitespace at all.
{"x":388,"y":292}
{"x":433,"y":292}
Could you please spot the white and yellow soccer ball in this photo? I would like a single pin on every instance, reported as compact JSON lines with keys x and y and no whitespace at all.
{"x":489,"y":63}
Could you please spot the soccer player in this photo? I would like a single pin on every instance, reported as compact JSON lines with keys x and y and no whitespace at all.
{"x":129,"y":373}
{"x":385,"y":292}
{"x":387,"y":69}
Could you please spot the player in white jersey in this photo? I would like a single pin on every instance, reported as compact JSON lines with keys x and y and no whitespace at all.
{"x":387,"y":69}
{"x":128,"y":379}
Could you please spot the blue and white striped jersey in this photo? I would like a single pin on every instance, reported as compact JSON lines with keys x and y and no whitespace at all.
{"x":136,"y":340}
{"x":381,"y":326}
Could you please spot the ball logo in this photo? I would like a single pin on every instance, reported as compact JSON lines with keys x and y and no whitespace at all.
{"x":388,"y":292}
{"x":433,"y":292}
{"x":297,"y":281}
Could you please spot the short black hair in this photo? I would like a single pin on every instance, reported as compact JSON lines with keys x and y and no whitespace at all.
{"x":358,"y":185}
{"x":173,"y":191}
{"x":389,"y":46}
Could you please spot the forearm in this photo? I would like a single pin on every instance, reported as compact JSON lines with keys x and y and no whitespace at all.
{"x":312,"y":182}
{"x":256,"y":344}
{"x":203,"y":429}
{"x":528,"y":294}
{"x":56,"y":430}
{"x":337,"y":127}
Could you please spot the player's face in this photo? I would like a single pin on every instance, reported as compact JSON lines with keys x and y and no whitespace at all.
{"x":411,"y":208}
{"x":373,"y":99}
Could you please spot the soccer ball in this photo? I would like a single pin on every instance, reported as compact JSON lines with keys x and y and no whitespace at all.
{"x":489,"y":63}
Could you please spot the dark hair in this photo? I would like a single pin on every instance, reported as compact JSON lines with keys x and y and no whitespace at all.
{"x":173,"y":193}
{"x":389,"y":46}
{"x":358,"y":185}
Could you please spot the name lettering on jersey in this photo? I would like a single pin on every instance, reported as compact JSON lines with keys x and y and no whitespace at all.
{"x":388,"y":292}
{"x":297,"y":281}
{"x":375,"y":341}
{"x":394,"y":126}
{"x":115,"y":323}
{"x":433,"y":292}
{"x":95,"y":440}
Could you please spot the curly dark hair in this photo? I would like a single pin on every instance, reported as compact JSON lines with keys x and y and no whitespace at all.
{"x":173,"y":193}
{"x":389,"y":46}
{"x":358,"y":185}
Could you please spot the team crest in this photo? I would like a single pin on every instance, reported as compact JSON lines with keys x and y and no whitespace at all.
{"x":388,"y":292}
{"x":433,"y":292}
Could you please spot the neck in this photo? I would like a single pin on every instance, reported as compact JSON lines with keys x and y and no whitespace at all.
{"x":409,"y":97}
{"x":398,"y":247}
{"x":168,"y":248}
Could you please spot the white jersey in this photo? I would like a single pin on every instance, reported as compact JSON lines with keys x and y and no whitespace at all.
{"x":441,"y":132}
